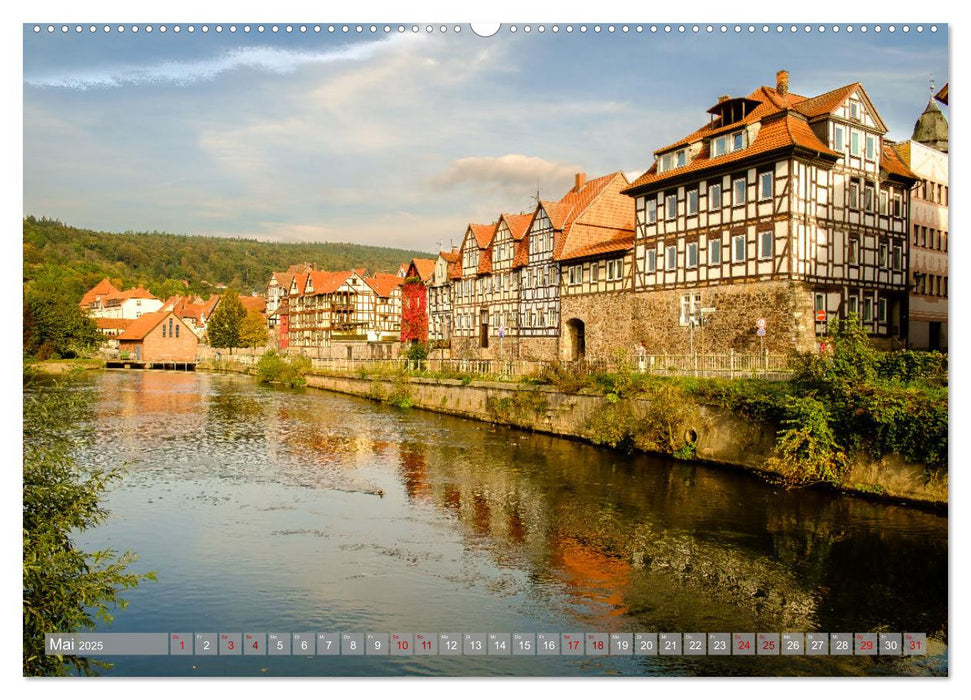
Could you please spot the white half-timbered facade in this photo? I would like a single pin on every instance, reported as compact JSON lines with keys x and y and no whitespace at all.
{"x":779,"y":188}
{"x":440,"y":290}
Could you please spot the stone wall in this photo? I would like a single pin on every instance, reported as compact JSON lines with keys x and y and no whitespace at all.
{"x":618,"y":322}
{"x":721,"y":437}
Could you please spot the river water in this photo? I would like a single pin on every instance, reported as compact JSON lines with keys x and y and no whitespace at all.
{"x":270,"y":510}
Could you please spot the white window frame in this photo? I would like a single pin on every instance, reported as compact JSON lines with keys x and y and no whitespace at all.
{"x":651,"y":211}
{"x":871,"y":147}
{"x":691,"y":255}
{"x":738,"y":141}
{"x":881,"y":310}
{"x":711,"y":197}
{"x":594,"y":272}
{"x":763,"y":237}
{"x":735,"y":198}
{"x":688,"y":205}
{"x":715,"y":251}
{"x":839,"y":144}
{"x":668,"y":201}
{"x":766,"y":176}
{"x":670,"y":258}
{"x":735,"y":241}
{"x":652,"y":260}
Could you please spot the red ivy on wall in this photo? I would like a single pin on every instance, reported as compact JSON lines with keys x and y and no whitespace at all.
{"x":414,"y":312}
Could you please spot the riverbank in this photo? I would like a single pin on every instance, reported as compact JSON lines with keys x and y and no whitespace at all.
{"x":65,"y":366}
{"x":667,"y":423}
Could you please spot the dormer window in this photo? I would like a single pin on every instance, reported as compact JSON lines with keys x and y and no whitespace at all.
{"x":727,"y":144}
{"x":669,"y":161}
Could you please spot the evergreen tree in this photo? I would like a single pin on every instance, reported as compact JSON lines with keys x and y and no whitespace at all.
{"x":224,"y":324}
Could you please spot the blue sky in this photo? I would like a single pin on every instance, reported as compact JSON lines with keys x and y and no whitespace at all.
{"x":397,"y":139}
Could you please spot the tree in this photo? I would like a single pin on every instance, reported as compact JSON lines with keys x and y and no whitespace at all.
{"x":223,"y":326}
{"x":65,"y":589}
{"x":55,"y":326}
{"x":252,"y":330}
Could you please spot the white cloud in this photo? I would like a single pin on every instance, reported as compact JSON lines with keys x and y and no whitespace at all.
{"x":513,"y":171}
{"x":262,"y":58}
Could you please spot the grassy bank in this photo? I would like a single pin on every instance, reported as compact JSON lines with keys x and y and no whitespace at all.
{"x":76,"y":364}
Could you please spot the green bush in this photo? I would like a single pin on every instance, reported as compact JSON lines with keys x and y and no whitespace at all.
{"x":273,"y":368}
{"x":807,"y":451}
{"x":914,"y":367}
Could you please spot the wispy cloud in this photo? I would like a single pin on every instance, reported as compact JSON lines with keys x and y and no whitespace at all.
{"x":513,"y":171}
{"x":181,"y":73}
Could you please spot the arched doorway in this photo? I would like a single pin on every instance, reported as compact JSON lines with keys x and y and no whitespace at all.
{"x":576,"y":344}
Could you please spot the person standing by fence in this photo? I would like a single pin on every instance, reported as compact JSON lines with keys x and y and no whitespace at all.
{"x":641,"y":356}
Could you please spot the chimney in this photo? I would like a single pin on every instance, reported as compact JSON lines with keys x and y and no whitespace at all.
{"x":782,"y":82}
{"x":723,"y":98}
{"x":581,"y":179}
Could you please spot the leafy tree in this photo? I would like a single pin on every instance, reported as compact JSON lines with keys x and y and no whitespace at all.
{"x":55,"y":326}
{"x":65,"y":589}
{"x":224,"y":324}
{"x":252,"y":330}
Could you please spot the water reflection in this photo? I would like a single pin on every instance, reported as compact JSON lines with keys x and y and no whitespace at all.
{"x":308,"y":509}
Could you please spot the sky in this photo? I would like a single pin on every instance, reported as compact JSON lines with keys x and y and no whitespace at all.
{"x":398,"y":138}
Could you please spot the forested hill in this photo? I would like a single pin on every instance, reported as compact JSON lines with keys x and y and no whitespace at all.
{"x":69,"y":261}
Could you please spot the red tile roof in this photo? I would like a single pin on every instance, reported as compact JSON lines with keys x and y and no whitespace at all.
{"x":102,"y":289}
{"x":601,"y":242}
{"x":783,"y":130}
{"x":425,"y":267}
{"x":894,"y":165}
{"x":483,"y":233}
{"x":784,"y":125}
{"x":145,"y":324}
{"x":592,"y":215}
{"x":251,"y":303}
{"x":121,"y":323}
{"x":454,"y":260}
{"x":518,"y":224}
{"x":485,"y":261}
{"x":384,"y":284}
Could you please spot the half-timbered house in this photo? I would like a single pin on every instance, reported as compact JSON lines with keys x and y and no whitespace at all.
{"x":327,"y":306}
{"x":385,"y":320}
{"x":447,"y":270}
{"x":782,"y":213}
{"x":470,"y":329}
{"x":574,"y":246}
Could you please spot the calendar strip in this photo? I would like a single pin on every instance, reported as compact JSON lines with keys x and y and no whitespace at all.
{"x":503,"y":644}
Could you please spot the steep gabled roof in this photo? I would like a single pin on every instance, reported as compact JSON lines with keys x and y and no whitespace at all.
{"x":483,"y":233}
{"x":424,"y":267}
{"x":597,"y":213}
{"x":384,"y":284}
{"x":146,"y":323}
{"x":102,"y":289}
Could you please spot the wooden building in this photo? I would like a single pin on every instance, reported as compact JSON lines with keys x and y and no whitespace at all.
{"x":470,"y":329}
{"x":784,"y":208}
{"x":158,"y":338}
{"x":447,"y":270}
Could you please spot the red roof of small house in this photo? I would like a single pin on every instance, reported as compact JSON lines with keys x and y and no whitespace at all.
{"x":384,"y":284}
{"x":423,"y":267}
{"x":300,"y":279}
{"x":113,"y":323}
{"x":145,"y":324}
{"x":102,"y":289}
{"x":253,"y":303}
{"x":138,"y":292}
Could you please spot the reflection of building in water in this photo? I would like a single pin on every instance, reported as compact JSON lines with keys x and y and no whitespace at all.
{"x":614,"y":539}
{"x":413,"y":468}
{"x":591,"y":575}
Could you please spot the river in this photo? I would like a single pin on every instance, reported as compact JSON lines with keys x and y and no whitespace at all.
{"x":270,"y":510}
